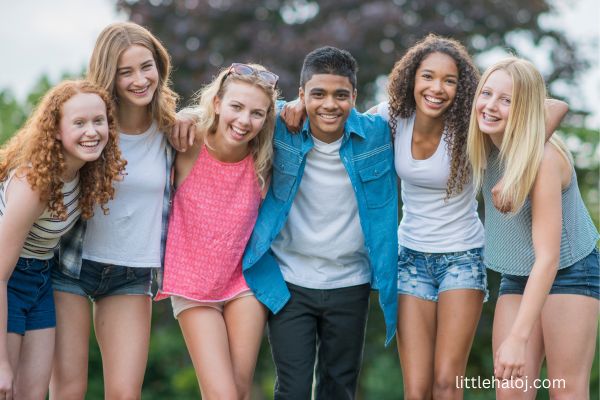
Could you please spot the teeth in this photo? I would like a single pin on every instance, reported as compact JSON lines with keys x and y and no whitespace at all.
{"x":433,"y":100}
{"x":92,"y":143}
{"x":239,"y":131}
{"x":139,"y":91}
{"x":489,"y":118}
{"x":328,"y":116}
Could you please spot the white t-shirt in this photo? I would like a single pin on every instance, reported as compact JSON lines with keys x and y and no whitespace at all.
{"x":321,"y":245}
{"x":130,"y":234}
{"x":430,"y":223}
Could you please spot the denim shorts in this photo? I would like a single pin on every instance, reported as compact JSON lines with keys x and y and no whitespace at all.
{"x":426,"y":275}
{"x":98,"y":280}
{"x":581,"y":278}
{"x":29,"y":296}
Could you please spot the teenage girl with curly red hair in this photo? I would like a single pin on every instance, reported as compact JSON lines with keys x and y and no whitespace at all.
{"x":59,"y":166}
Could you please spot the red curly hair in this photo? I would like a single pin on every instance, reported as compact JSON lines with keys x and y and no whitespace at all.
{"x":35,"y":151}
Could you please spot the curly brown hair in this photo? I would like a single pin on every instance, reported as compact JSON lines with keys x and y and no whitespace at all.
{"x":456,"y":118}
{"x":36,"y":152}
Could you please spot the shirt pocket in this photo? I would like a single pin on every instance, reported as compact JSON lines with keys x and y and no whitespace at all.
{"x":377,"y":182}
{"x":285,"y":173}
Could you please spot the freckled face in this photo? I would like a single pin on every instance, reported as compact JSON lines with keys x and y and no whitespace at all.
{"x":83,"y":128}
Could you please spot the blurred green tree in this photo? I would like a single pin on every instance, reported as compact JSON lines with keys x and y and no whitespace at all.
{"x":203,"y":36}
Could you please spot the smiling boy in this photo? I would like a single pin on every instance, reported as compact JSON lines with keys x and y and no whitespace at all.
{"x":326,"y":235}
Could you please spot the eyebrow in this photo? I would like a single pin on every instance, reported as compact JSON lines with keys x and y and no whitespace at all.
{"x":144,"y":63}
{"x":337,"y":91}
{"x":432,"y":71}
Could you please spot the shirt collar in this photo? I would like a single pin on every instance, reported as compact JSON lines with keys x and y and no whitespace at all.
{"x":352,"y":125}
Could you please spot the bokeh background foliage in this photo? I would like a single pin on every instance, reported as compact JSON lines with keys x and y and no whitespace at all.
{"x":205,"y":35}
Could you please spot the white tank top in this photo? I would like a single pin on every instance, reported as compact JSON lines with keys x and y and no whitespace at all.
{"x":130,"y":234}
{"x":430,"y":223}
{"x":45,"y":233}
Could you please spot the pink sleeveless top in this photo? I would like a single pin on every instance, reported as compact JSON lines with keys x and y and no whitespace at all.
{"x":213,"y":214}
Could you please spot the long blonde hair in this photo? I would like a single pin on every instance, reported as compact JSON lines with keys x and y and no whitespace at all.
{"x":261,"y":146}
{"x":36,"y":151}
{"x":523,"y":140}
{"x":102,"y":70}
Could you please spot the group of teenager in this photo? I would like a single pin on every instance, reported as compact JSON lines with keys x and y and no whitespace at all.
{"x":256,"y":213}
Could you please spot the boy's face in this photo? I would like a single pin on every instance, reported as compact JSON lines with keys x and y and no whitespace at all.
{"x":328,"y":100}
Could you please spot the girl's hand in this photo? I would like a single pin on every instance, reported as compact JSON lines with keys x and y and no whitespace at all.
{"x":183,"y":132}
{"x":293,"y":115}
{"x":503,"y":207}
{"x":509,"y":360}
{"x":6,"y":381}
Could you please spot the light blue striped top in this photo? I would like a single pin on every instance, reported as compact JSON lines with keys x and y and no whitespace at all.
{"x":508,"y":242}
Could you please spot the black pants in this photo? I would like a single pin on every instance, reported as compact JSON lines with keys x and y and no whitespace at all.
{"x":326,"y":325}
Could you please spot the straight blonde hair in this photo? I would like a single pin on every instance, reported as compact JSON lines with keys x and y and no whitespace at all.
{"x":102,"y":70}
{"x":261,"y":146}
{"x":523,"y":140}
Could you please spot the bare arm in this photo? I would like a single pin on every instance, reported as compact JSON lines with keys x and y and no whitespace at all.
{"x":546,"y":216}
{"x":555,"y":112}
{"x":23,"y":208}
{"x":183,"y":133}
{"x":293,"y":115}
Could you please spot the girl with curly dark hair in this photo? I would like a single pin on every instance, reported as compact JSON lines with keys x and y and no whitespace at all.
{"x":59,"y":166}
{"x":441,"y":276}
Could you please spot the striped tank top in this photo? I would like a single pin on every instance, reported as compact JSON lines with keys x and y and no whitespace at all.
{"x":508,"y":242}
{"x":213,"y":214}
{"x":44,"y":236}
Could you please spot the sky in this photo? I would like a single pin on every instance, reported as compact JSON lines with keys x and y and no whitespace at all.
{"x":53,"y":37}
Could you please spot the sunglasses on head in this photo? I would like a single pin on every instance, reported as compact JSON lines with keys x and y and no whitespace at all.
{"x":245,"y":69}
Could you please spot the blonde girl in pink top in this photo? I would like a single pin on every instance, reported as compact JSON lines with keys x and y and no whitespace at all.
{"x":219,"y":182}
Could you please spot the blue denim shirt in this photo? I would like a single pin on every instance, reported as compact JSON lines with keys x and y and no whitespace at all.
{"x":366,"y":152}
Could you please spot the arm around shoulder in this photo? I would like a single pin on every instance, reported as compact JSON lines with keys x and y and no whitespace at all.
{"x":555,"y":112}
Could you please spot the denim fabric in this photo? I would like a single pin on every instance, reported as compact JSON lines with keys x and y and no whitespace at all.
{"x":426,"y":275}
{"x":367,"y":155}
{"x":581,"y":278}
{"x":97,"y":280}
{"x":29,"y":296}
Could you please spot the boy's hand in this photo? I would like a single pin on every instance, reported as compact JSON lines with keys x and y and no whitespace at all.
{"x":293,"y":115}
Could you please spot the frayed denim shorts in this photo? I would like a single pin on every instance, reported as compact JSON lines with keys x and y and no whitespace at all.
{"x":581,"y":278}
{"x":426,"y":275}
{"x":29,"y":296}
{"x":98,"y":280}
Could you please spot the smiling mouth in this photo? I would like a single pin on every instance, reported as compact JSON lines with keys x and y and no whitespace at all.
{"x":329,"y":117}
{"x":489,"y":118}
{"x":140,"y":92}
{"x":239,"y":132}
{"x":433,"y":100}
{"x":89,"y":143}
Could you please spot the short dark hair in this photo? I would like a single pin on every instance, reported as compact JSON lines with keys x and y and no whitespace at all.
{"x":329,"y":60}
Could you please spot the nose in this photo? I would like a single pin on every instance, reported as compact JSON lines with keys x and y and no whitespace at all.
{"x":329,"y":102}
{"x":139,"y":77}
{"x":437,"y":85}
{"x":244,"y":118}
{"x":90,"y":129}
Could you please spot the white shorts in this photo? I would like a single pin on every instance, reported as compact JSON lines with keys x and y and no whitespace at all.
{"x":181,"y":303}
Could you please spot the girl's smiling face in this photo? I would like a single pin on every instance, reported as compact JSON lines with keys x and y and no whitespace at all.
{"x":493,"y":104}
{"x":436,"y":81}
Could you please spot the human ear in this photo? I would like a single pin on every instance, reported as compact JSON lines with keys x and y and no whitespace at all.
{"x":301,"y":94}
{"x":217,"y":104}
